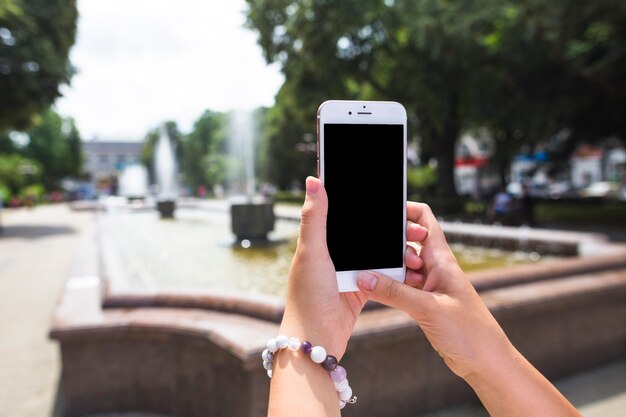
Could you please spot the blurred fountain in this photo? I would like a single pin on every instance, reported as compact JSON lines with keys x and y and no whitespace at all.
{"x":165,"y":170}
{"x":252,"y":216}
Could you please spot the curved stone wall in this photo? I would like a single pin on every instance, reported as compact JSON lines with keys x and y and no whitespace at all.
{"x":193,"y":353}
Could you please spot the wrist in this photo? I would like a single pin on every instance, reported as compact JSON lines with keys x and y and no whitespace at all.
{"x":315,"y":334}
{"x":304,"y":358}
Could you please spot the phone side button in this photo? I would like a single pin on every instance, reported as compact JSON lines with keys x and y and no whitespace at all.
{"x":318,"y":167}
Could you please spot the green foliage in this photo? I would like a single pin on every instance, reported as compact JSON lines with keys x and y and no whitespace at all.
{"x":5,"y":194}
{"x":610,"y":214}
{"x":555,"y":66}
{"x":33,"y":193}
{"x":201,"y":154}
{"x":421,"y":180}
{"x":203,"y":161}
{"x":35,"y":39}
{"x":475,"y":209}
{"x":216,"y":167}
{"x":17,"y":171}
{"x":56,"y":146}
{"x":421,"y":53}
{"x":289,"y":197}
{"x":285,"y":163}
{"x":525,"y":69}
{"x":6,"y":144}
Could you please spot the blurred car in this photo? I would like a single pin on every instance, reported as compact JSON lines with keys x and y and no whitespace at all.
{"x":599,"y":189}
{"x":558,"y":189}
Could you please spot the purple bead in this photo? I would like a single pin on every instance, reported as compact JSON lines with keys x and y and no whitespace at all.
{"x":339,"y":374}
{"x":306,"y":347}
{"x":330,"y":363}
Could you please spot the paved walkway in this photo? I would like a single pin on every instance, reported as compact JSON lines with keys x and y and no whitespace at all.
{"x":37,"y":249}
{"x":600,"y":392}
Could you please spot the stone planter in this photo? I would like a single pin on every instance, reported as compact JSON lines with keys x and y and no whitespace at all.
{"x":252,"y":221}
{"x":166,"y":208}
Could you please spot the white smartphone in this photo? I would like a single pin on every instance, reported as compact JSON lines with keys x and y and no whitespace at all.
{"x":361,"y":149}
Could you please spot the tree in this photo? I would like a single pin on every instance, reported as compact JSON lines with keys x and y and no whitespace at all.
{"x":556,"y":74}
{"x":16,"y":172}
{"x":421,"y":53}
{"x":35,"y":40}
{"x":203,"y":151}
{"x":526,"y":69}
{"x":6,"y":144}
{"x":54,"y":143}
{"x":587,"y":45}
{"x":283,"y":161}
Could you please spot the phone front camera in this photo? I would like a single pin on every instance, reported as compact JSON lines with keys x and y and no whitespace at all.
{"x":349,"y":112}
{"x":363,"y":106}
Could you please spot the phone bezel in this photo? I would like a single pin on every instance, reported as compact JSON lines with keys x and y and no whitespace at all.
{"x":363,"y":112}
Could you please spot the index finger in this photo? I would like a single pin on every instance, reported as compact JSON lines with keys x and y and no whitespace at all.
{"x":435,"y":242}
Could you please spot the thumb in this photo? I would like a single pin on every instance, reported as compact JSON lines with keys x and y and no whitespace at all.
{"x":393,"y":293}
{"x":314,"y":211}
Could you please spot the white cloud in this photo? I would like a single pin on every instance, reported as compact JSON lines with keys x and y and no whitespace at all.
{"x":142,"y":62}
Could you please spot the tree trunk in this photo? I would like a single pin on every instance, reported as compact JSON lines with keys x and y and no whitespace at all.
{"x":443,"y":151}
{"x":443,"y":145}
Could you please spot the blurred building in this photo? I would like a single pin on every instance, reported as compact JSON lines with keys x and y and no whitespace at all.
{"x":105,"y":160}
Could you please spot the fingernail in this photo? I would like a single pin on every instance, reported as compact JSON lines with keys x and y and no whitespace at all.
{"x":312,"y":186}
{"x":367,"y":281}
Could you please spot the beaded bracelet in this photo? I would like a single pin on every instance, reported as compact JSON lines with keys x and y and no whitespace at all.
{"x":318,"y":355}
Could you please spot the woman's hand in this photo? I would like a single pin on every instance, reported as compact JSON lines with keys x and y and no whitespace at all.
{"x":315,"y":310}
{"x":460,"y":327}
{"x":440,"y":298}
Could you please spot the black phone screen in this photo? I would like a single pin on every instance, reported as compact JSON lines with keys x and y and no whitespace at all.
{"x":363,"y":176}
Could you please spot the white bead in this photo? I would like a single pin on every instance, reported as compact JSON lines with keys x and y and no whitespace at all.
{"x":267,"y":355}
{"x":293,"y":344}
{"x":318,"y":354}
{"x":269,"y":373}
{"x":342,"y":404}
{"x":271,"y":345}
{"x":281,"y":341}
{"x":342,"y":385}
{"x":346,"y":394}
{"x":267,"y":365}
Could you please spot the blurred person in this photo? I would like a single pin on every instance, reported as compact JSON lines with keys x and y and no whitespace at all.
{"x":436,"y":294}
{"x":501,"y":207}
{"x":202,"y":191}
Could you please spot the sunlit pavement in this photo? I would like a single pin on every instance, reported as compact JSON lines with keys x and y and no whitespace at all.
{"x":37,"y":249}
{"x":600,"y":392}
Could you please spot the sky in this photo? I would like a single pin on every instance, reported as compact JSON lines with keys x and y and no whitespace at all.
{"x":142,"y":62}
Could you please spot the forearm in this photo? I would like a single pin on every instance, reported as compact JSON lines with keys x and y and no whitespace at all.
{"x":301,"y":387}
{"x":512,"y":387}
